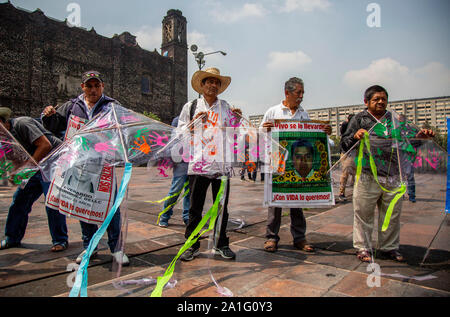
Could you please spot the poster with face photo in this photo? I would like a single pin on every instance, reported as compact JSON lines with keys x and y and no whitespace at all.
{"x":86,"y":191}
{"x":305,"y":182}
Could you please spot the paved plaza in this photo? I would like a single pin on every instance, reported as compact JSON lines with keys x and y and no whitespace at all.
{"x":332,"y":271}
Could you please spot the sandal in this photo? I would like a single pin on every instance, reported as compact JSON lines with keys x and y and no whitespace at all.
{"x":302,"y":245}
{"x":364,"y":256}
{"x":394,"y":255}
{"x":270,"y":246}
{"x":5,"y":244}
{"x":59,"y":247}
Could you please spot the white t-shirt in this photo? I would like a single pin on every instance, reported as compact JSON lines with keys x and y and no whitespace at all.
{"x":205,"y":159}
{"x":280,"y":111}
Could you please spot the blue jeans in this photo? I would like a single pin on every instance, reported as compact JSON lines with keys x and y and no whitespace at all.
{"x":88,"y":230}
{"x":177,"y":185}
{"x":23,"y":200}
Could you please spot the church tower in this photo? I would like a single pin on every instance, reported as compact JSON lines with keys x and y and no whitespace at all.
{"x":174,"y":46}
{"x":174,"y":39}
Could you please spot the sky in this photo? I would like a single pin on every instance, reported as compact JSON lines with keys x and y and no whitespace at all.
{"x":338,"y":47}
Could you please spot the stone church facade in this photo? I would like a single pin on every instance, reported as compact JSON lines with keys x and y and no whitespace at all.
{"x":42,"y":59}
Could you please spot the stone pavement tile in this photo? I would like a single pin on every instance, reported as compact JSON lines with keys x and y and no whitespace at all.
{"x":339,"y":260}
{"x":334,"y":294}
{"x":170,"y":239}
{"x":320,"y":276}
{"x":417,"y":234}
{"x":395,"y":270}
{"x":26,"y":272}
{"x":142,"y":247}
{"x":442,"y":240}
{"x":279,"y":287}
{"x":441,"y":282}
{"x":322,"y":241}
{"x":336,"y":229}
{"x":143,"y":207}
{"x":101,"y":278}
{"x":356,"y":284}
{"x":257,"y":229}
{"x":418,"y":291}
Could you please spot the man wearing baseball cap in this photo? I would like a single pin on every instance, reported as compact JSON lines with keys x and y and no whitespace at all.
{"x":209,"y":84}
{"x":84,"y":108}
{"x":38,"y":142}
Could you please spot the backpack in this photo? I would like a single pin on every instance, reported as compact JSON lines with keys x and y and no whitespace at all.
{"x":192,"y":109}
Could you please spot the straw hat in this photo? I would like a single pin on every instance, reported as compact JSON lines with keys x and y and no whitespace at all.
{"x":5,"y":113}
{"x":209,"y":72}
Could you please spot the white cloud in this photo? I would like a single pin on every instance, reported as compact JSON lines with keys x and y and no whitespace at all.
{"x":232,"y":15}
{"x":433,"y":79}
{"x":149,"y":37}
{"x":305,"y":5}
{"x":281,"y":61}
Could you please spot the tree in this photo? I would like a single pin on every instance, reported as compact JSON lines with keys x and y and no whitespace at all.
{"x":151,"y":115}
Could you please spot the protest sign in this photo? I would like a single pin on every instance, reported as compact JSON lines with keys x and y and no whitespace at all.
{"x":306,"y":181}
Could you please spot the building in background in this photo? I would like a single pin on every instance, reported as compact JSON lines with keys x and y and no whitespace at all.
{"x":42,"y":60}
{"x":432,"y":110}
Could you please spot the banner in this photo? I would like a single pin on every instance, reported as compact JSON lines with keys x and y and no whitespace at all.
{"x":86,"y":190}
{"x":306,"y":181}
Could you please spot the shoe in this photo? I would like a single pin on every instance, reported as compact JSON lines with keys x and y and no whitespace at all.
{"x":163,"y":223}
{"x":270,"y":246}
{"x":394,"y":255}
{"x":186,"y":221}
{"x":413,"y":200}
{"x":121,"y":257}
{"x":342,"y":197}
{"x":58,"y":247}
{"x":364,"y":256}
{"x":225,"y":252}
{"x":190,"y":254}
{"x":80,"y":257}
{"x":302,"y":245}
{"x":5,"y":244}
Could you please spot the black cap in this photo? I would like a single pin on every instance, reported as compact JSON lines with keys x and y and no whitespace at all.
{"x":92,"y":74}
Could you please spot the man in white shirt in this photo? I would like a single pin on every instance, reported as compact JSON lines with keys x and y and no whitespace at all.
{"x":203,"y":170}
{"x":289,"y":108}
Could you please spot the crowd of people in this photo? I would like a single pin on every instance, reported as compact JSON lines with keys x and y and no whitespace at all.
{"x":40,"y":138}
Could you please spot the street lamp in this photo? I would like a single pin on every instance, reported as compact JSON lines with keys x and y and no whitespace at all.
{"x":200,"y":56}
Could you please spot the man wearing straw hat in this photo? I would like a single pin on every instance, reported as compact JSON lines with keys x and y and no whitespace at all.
{"x":82,"y":109}
{"x":38,"y":142}
{"x":209,"y":84}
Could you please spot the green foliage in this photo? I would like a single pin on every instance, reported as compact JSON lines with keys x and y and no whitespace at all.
{"x":439,"y":138}
{"x":151,"y":115}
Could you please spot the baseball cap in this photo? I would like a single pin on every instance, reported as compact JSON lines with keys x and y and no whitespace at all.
{"x":92,"y":74}
{"x":5,"y":113}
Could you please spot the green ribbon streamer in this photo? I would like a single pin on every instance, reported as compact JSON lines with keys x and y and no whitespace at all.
{"x":400,"y":191}
{"x":211,"y":215}
{"x":169,"y":197}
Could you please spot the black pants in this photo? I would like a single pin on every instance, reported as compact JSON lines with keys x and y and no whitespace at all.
{"x":198,"y":185}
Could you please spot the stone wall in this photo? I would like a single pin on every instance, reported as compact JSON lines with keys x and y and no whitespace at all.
{"x":42,"y":60}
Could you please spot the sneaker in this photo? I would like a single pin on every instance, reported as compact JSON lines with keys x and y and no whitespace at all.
{"x":121,"y":257}
{"x":163,"y":223}
{"x":413,"y":200}
{"x":225,"y":252}
{"x":80,"y":257}
{"x":342,"y":197}
{"x":190,"y":254}
{"x":6,"y":244}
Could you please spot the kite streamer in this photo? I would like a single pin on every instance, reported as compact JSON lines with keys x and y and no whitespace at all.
{"x":211,"y":215}
{"x":399,"y":191}
{"x":80,"y":286}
